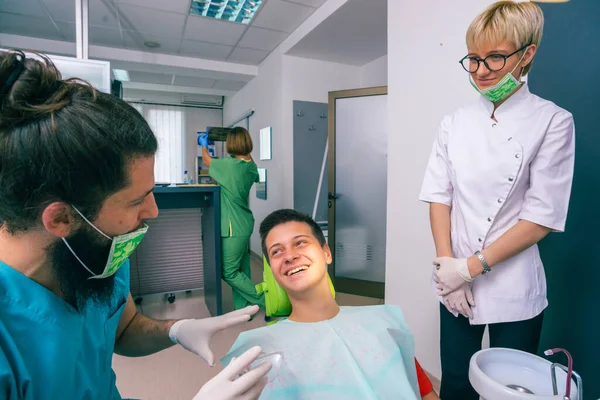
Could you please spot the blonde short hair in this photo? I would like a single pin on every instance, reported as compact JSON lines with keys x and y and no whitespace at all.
{"x":519,"y":23}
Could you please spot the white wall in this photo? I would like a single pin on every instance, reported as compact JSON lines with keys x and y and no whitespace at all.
{"x":311,"y":80}
{"x":375,"y":73}
{"x":426,"y":82}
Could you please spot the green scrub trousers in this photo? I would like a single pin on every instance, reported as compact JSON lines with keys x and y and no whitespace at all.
{"x":236,"y":177}
{"x":236,"y":272}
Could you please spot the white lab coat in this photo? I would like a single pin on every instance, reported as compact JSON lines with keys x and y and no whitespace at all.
{"x":494,"y":174}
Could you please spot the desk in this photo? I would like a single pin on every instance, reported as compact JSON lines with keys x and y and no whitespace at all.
{"x":182,"y":249}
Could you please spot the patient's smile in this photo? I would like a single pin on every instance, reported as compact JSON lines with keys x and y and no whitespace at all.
{"x":297,"y":270}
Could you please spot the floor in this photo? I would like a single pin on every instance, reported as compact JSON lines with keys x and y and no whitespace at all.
{"x":176,"y":373}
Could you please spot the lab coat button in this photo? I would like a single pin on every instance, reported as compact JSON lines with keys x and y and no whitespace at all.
{"x":489,"y":220}
{"x":511,"y":179}
{"x":480,"y":240}
{"x":493,"y":125}
{"x":500,"y":201}
{"x":509,"y":139}
{"x":517,"y":155}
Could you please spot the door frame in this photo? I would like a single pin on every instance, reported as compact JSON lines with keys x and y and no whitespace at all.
{"x":345,"y":285}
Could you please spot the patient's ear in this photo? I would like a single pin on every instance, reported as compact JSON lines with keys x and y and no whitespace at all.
{"x":327,"y":251}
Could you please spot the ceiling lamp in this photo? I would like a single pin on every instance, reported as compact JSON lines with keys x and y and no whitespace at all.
{"x":240,"y":11}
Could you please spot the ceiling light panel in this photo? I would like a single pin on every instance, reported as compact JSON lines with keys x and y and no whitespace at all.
{"x":240,"y":11}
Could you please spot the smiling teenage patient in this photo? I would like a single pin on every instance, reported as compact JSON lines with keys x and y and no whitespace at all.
{"x":329,"y":352}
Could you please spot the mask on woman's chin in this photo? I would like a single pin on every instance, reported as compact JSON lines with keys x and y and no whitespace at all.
{"x":501,"y":90}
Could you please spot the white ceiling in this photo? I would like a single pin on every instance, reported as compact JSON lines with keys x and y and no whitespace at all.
{"x":127,"y":24}
{"x":355,"y":34}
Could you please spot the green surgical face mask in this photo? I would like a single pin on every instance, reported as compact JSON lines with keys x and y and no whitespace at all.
{"x":501,"y":90}
{"x":120,"y":250}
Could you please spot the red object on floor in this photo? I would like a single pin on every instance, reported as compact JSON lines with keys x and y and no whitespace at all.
{"x":425,"y":385}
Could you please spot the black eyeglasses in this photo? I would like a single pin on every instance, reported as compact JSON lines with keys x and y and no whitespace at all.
{"x":493,"y":62}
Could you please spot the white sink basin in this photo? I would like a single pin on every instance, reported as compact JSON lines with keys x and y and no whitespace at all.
{"x":491,"y":371}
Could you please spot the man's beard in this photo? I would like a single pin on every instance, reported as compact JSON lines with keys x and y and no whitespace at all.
{"x":93,"y":250}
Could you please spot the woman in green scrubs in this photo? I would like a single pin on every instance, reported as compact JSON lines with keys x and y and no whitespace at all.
{"x":235,"y":175}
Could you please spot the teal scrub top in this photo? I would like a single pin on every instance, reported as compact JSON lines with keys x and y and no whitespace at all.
{"x":50,"y":351}
{"x":236,"y":178}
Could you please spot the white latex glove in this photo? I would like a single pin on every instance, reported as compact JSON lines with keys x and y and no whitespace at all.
{"x":450,"y":274}
{"x":247,"y":387}
{"x":195,"y":334}
{"x":460,"y":301}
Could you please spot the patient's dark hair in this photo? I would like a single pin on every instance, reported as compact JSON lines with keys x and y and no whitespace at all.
{"x":61,"y":140}
{"x":284,"y":216}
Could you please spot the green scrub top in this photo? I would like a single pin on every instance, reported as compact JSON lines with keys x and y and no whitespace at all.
{"x":50,"y":351}
{"x":235,"y":177}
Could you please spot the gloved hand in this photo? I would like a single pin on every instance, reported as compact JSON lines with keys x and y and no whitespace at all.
{"x":203,"y":139}
{"x":460,"y":301}
{"x":450,"y":274}
{"x":247,"y":387}
{"x":195,"y":334}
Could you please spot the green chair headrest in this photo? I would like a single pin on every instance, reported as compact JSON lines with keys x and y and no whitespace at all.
{"x":276,"y":299}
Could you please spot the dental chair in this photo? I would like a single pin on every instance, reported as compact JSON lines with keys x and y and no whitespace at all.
{"x":276,"y":299}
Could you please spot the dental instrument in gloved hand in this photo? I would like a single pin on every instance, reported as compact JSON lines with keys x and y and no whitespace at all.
{"x":450,"y":274}
{"x":460,"y":301}
{"x":248,"y":386}
{"x":195,"y":334}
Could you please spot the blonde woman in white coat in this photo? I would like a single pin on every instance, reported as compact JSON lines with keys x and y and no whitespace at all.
{"x":498,"y":181}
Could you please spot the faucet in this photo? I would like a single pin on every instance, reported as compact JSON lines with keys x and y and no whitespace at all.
{"x":570,"y":374}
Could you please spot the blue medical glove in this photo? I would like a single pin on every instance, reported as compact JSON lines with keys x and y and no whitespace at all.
{"x":203,"y":140}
